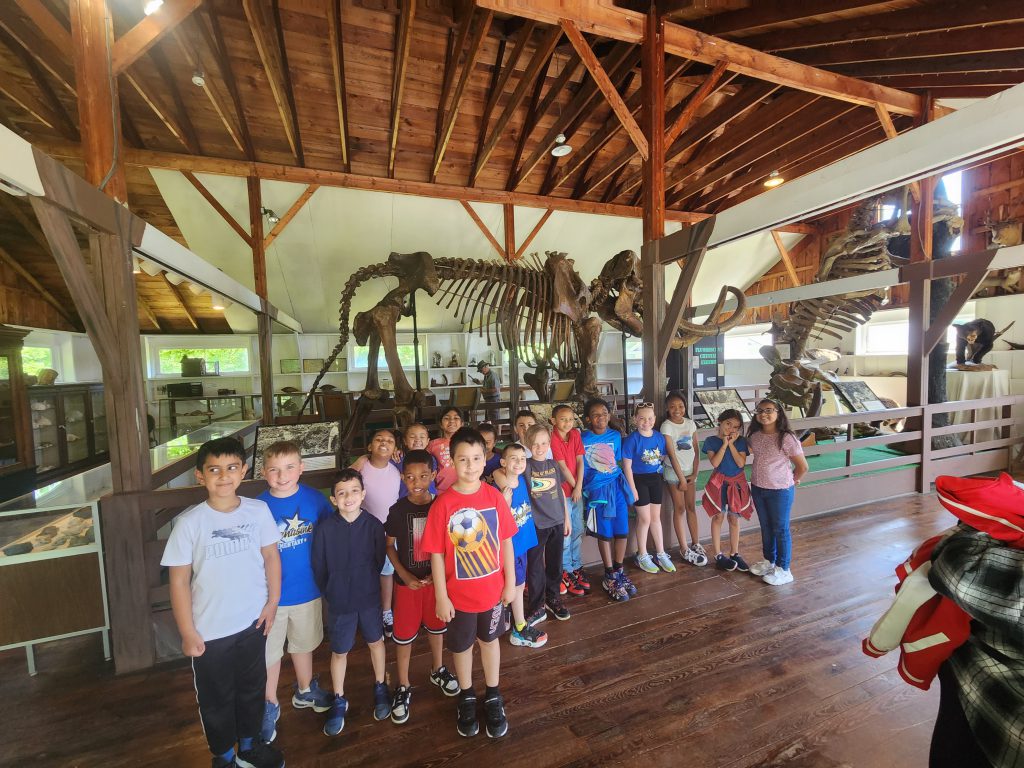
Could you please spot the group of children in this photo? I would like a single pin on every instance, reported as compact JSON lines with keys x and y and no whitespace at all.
{"x":453,"y":536}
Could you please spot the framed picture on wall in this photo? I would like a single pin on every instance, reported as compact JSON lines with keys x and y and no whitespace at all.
{"x":338,"y":366}
{"x":290,"y":365}
{"x":715,"y":401}
{"x":858,"y":396}
{"x":312,"y":364}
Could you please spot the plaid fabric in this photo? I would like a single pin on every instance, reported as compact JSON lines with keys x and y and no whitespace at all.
{"x":985,"y":577}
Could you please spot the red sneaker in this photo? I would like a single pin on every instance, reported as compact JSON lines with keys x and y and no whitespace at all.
{"x":570,"y":585}
{"x":562,"y":589}
{"x":582,"y":580}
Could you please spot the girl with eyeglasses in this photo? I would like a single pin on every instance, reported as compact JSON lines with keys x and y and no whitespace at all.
{"x":779,"y":464}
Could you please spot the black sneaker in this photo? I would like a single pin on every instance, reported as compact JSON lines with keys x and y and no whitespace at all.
{"x":400,"y":705}
{"x":381,"y":701}
{"x":445,"y":680}
{"x":494,"y":712}
{"x":536,"y":618}
{"x":220,"y":762}
{"x":557,"y":608}
{"x":741,"y":564}
{"x":467,"y":723}
{"x":260,"y":756}
{"x":725,"y":563}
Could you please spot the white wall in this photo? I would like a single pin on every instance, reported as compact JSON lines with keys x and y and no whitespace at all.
{"x":73,"y":356}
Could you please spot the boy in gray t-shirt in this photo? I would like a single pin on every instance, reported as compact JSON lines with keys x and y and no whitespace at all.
{"x":551,"y":516}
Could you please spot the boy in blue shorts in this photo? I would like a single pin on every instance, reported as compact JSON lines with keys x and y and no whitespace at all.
{"x":225,"y":579}
{"x":348,"y":555}
{"x":606,"y":497}
{"x":296,"y":509}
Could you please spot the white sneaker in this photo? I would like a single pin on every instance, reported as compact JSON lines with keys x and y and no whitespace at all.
{"x":778,"y":577}
{"x":762,"y":567}
{"x":695,"y":555}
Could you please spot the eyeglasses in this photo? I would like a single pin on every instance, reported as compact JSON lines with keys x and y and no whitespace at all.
{"x":764,"y":411}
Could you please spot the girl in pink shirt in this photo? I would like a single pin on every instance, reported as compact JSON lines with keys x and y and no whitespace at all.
{"x":779,"y":464}
{"x":451,"y":422}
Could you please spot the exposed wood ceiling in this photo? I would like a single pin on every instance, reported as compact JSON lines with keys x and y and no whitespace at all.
{"x":404,"y":94}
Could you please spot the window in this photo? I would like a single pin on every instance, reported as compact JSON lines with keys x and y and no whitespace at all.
{"x":230,"y":359}
{"x":34,"y":359}
{"x":887,"y":333}
{"x":406,"y":354}
{"x":634,"y":349}
{"x":745,"y":343}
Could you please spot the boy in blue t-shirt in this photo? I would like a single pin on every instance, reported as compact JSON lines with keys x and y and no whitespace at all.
{"x":296,"y":509}
{"x":606,"y":497}
{"x":727,"y":493}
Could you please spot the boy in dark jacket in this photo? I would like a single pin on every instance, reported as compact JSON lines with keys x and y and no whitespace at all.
{"x":348,"y":554}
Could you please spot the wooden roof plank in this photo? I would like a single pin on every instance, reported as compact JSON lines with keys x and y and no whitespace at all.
{"x":27,"y":276}
{"x":163,"y":68}
{"x":166,"y":116}
{"x":56,"y":109}
{"x":287,"y":80}
{"x":220,"y":209}
{"x":334,"y":21}
{"x":134,"y":43}
{"x":533,"y":113}
{"x":148,"y":311}
{"x":270,"y":58}
{"x":214,"y":37}
{"x":49,"y":56}
{"x":52,"y":28}
{"x":403,"y":41}
{"x":772,"y":13}
{"x":694,"y":102}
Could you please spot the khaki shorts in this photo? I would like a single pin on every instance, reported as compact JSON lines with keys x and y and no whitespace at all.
{"x":302,"y":625}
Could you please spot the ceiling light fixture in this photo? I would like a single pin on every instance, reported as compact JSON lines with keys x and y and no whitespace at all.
{"x":219,"y":303}
{"x":151,"y":268}
{"x":198,"y":78}
{"x":773,"y":180}
{"x":272,"y":217}
{"x":174,"y":278}
{"x":152,"y":6}
{"x":561,"y":149}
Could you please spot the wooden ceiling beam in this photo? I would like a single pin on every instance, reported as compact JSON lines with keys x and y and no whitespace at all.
{"x":403,"y":42}
{"x":492,"y":94}
{"x":794,"y":279}
{"x":65,"y":125}
{"x":50,"y":57}
{"x":522,"y":38}
{"x":134,"y":43}
{"x":947,"y":15}
{"x":180,"y":298}
{"x":163,"y":68}
{"x":286,"y":79}
{"x":885,"y":120}
{"x":53,"y":29}
{"x":605,"y":85}
{"x":286,"y":219}
{"x":148,"y":311}
{"x":333,"y":178}
{"x":39,"y":288}
{"x":220,"y":209}
{"x":545,"y":47}
{"x":694,"y":102}
{"x":451,"y":65}
{"x":533,"y":115}
{"x":483,"y":228}
{"x":28,"y":102}
{"x":155,"y":102}
{"x":766,"y":14}
{"x":940,"y":82}
{"x":475,"y":45}
{"x":214,"y":37}
{"x":270,"y":58}
{"x":996,"y":61}
{"x":533,"y":233}
{"x":622,"y":24}
{"x":338,"y":73}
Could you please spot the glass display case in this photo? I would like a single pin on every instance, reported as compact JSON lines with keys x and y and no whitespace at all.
{"x":182,"y":415}
{"x":67,"y":436}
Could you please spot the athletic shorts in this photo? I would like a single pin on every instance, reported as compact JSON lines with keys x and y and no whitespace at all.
{"x":303,"y":627}
{"x":485,"y":626}
{"x":414,"y":608}
{"x":608,"y":524}
{"x":370,"y":622}
{"x":521,"y":569}
{"x":648,"y":488}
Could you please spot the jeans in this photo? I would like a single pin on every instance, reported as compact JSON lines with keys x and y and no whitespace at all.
{"x":773,"y":508}
{"x":571,"y":556}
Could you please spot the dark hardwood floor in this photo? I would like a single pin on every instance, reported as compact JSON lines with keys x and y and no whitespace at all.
{"x":702,"y":669}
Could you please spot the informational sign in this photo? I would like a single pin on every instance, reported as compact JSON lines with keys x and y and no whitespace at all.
{"x":709,"y":363}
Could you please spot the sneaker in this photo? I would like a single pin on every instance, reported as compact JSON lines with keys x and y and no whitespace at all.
{"x":536,"y":618}
{"x":381,"y":701}
{"x":220,"y":762}
{"x":665,"y":562}
{"x":557,"y":608}
{"x":725,"y":563}
{"x":336,"y":716}
{"x":695,"y":555}
{"x":570,"y":585}
{"x":741,"y":564}
{"x":582,"y":580}
{"x":494,"y":713}
{"x":260,"y":755}
{"x":467,"y":724}
{"x":615,"y":590}
{"x":389,"y":624}
{"x":445,"y":680}
{"x":626,"y":583}
{"x":646,"y":563}
{"x":400,"y":704}
{"x":316,"y":698}
{"x":778,"y":577}
{"x":529,"y":637}
{"x":271,"y":714}
{"x":562,"y":588}
{"x":761,"y":567}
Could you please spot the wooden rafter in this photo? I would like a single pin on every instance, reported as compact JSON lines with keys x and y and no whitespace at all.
{"x":794,"y":278}
{"x":171,"y":87}
{"x":214,"y":38}
{"x":604,"y":83}
{"x":180,"y":298}
{"x":286,"y":219}
{"x":483,"y":228}
{"x":31,"y":104}
{"x":989,"y":61}
{"x":492,"y":95}
{"x":286,"y":79}
{"x":622,"y":24}
{"x":501,"y":75}
{"x":39,"y":79}
{"x":220,"y":209}
{"x":49,"y":56}
{"x":533,"y":233}
{"x":885,"y":119}
{"x":533,"y":114}
{"x":772,"y":13}
{"x":164,"y":113}
{"x":483,"y":25}
{"x":338,"y":72}
{"x":134,"y":43}
{"x":456,"y":45}
{"x":403,"y":42}
{"x":540,"y":59}
{"x":48,"y":297}
{"x":694,"y":102}
{"x":148,"y":311}
{"x":270,"y":57}
{"x":51,"y":27}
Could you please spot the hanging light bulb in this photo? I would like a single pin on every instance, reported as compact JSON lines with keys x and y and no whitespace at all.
{"x":773,"y":180}
{"x":561,"y":149}
{"x":152,"y":6}
{"x":199,"y":78}
{"x":272,"y":217}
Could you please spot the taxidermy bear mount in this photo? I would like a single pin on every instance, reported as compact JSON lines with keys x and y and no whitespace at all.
{"x":974,"y":340}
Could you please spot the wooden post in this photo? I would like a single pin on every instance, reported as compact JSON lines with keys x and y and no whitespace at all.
{"x":652,"y":271}
{"x":510,"y":231}
{"x":99,"y":113}
{"x":259,"y":268}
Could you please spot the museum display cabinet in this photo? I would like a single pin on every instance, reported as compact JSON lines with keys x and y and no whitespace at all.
{"x":182,"y":415}
{"x":69,"y":429}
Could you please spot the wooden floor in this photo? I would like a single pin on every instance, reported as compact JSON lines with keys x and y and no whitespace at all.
{"x":702,"y":669}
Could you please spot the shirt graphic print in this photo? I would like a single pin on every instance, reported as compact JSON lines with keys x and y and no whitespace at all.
{"x":230,"y":541}
{"x":477,"y":550}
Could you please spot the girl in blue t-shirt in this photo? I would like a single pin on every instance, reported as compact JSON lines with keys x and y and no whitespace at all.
{"x":727,"y":494}
{"x":642,"y":453}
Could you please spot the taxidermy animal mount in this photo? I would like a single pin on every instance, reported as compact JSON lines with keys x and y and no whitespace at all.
{"x":974,"y":340}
